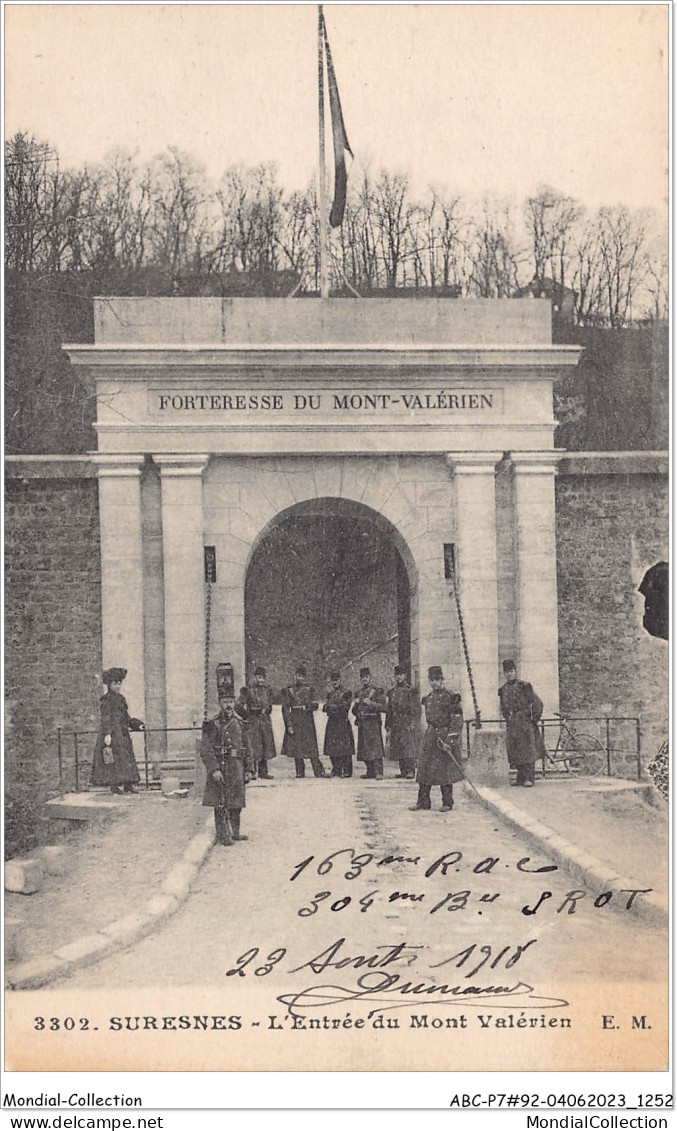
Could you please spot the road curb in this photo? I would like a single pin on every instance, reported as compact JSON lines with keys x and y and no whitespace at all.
{"x":588,"y":870}
{"x":121,"y":933}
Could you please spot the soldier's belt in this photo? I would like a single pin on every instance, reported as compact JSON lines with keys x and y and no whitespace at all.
{"x":298,"y":708}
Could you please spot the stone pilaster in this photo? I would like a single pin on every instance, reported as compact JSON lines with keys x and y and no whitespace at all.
{"x":122,"y":635}
{"x":474,"y":475}
{"x":182,"y":546}
{"x":536,"y":553}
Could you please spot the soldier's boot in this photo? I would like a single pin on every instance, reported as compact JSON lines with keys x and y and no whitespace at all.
{"x":234,"y":815}
{"x":423,"y":799}
{"x":300,"y":767}
{"x":224,"y":833}
{"x":347,"y":767}
{"x":378,"y":768}
{"x":263,"y":770}
{"x":447,"y":798}
{"x":318,"y":768}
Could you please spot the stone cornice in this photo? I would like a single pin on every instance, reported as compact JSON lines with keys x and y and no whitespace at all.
{"x":181,"y":464}
{"x":473,"y":463}
{"x":140,"y":362}
{"x":111,"y":465}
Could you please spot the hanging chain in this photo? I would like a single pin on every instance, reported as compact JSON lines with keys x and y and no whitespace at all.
{"x":208,"y":629}
{"x":454,"y":580}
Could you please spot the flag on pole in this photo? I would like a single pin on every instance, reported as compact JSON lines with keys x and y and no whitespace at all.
{"x":340,"y":138}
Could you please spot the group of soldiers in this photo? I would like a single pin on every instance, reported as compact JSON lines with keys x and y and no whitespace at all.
{"x":238,"y":743}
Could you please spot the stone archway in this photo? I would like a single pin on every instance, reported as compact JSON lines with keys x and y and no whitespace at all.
{"x":330,"y":582}
{"x":409,"y":500}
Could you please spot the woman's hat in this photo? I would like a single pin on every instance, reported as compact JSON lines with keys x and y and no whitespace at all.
{"x":113,"y":675}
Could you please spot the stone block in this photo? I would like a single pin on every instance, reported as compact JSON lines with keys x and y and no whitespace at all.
{"x":257,"y":504}
{"x":84,"y":950}
{"x":169,"y":784}
{"x":432,"y":494}
{"x":244,"y":526}
{"x":488,"y":763}
{"x":56,"y":858}
{"x":161,"y":907}
{"x":219,"y":493}
{"x":36,"y":972}
{"x":356,"y":476}
{"x":276,"y":489}
{"x":327,"y":475}
{"x":178,"y":882}
{"x":24,"y":876}
{"x":200,"y":845}
{"x":383,"y":481}
{"x":129,"y":929}
{"x":14,"y":939}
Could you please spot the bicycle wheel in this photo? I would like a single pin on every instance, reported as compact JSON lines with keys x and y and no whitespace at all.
{"x":584,"y":754}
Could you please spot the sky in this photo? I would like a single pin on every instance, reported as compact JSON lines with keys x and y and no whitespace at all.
{"x":475,"y":98}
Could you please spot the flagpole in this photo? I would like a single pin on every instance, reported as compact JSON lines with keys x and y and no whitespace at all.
{"x":322,"y":179}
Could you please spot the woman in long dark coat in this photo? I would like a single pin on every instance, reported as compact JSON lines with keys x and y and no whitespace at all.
{"x":339,"y":744}
{"x":114,"y":763}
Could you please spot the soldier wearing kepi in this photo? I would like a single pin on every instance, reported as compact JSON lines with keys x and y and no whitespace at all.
{"x":339,"y":744}
{"x":522,"y":709}
{"x":299,"y":702}
{"x":255,"y":706}
{"x":368,"y":706}
{"x":440,"y":760}
{"x":401,"y":718}
{"x":114,"y":763}
{"x":225,"y":755}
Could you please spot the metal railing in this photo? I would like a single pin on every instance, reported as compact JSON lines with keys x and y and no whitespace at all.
{"x":617,"y":747}
{"x":75,"y":751}
{"x":606,"y":744}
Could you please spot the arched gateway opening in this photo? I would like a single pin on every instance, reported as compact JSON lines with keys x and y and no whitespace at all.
{"x":330,"y":583}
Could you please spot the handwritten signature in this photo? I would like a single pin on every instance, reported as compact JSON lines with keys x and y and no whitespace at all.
{"x":370,"y":987}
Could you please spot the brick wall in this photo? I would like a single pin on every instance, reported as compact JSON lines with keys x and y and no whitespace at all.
{"x":52,"y":629}
{"x":611,"y":526}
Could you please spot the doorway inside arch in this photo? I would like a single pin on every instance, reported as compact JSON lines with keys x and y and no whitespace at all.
{"x":327,"y":586}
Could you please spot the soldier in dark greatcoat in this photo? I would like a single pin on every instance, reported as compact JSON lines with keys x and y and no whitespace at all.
{"x":114,"y":763}
{"x":401,"y":722}
{"x":521,"y":708}
{"x":255,"y":706}
{"x":339,"y":744}
{"x":368,"y":706}
{"x":226,"y":758}
{"x":299,"y":702}
{"x":440,"y":759}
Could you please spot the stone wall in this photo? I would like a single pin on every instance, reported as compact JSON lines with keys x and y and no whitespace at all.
{"x":612,"y":524}
{"x":52,"y":629}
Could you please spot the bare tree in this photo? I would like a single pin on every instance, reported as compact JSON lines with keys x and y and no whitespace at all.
{"x":622,"y":241}
{"x":551,"y":219}
{"x":494,"y":256}
{"x":393,"y":211}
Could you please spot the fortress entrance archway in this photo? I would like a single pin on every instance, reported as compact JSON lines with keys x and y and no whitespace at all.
{"x":330,"y":583}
